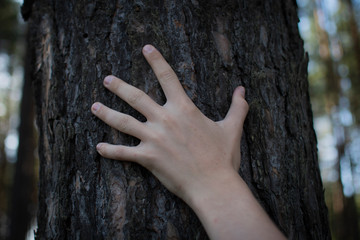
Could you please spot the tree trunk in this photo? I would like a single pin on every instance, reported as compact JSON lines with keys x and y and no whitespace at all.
{"x":344,"y":222}
{"x":213,"y":46}
{"x":355,"y":78}
{"x":23,"y":191}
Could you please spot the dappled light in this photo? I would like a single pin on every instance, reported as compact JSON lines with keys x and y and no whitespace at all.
{"x":330,"y":29}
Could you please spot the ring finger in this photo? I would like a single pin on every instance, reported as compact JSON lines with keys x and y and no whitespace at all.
{"x":122,"y":122}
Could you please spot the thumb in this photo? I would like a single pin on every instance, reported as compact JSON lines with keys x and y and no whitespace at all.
{"x":236,"y":115}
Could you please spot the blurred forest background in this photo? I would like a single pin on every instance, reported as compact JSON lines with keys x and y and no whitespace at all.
{"x":331,"y":33}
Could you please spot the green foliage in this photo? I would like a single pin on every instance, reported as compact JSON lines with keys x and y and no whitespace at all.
{"x":9,"y":26}
{"x":330,"y":29}
{"x":11,"y":55}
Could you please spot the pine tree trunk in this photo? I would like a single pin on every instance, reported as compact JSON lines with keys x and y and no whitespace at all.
{"x":213,"y":46}
{"x":355,"y":77}
{"x":23,"y":191}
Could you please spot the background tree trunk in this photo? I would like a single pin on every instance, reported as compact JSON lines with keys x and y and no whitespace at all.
{"x":23,"y":195}
{"x":213,"y":46}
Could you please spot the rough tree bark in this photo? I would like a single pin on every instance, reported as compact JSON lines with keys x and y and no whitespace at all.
{"x":213,"y":46}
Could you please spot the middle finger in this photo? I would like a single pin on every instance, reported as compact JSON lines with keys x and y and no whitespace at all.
{"x":133,"y":96}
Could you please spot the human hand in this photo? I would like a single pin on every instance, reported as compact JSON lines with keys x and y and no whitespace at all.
{"x":193,"y":156}
{"x":183,"y":148}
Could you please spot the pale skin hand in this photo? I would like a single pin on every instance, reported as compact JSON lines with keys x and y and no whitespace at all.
{"x":193,"y":156}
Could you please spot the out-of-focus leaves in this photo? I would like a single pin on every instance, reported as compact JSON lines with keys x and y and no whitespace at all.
{"x":9,"y":26}
{"x":330,"y":29}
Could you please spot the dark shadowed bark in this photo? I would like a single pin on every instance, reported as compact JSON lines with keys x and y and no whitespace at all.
{"x":213,"y":46}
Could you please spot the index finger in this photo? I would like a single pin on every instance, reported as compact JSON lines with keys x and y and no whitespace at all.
{"x":165,"y":74}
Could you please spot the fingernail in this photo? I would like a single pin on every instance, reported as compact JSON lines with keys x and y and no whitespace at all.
{"x":98,"y":146}
{"x":95,"y":107}
{"x":108,"y":80}
{"x":242,"y":91}
{"x":148,"y":48}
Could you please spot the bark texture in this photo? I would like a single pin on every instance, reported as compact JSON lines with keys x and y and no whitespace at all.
{"x":213,"y":46}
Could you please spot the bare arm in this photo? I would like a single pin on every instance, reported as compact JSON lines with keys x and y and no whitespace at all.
{"x":194,"y":157}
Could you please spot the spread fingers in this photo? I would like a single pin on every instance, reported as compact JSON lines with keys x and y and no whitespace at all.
{"x":119,"y":152}
{"x":122,"y":122}
{"x":133,"y":96}
{"x":165,"y":74}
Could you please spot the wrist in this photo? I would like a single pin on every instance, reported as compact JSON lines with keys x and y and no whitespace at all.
{"x":213,"y":190}
{"x":228,"y":209}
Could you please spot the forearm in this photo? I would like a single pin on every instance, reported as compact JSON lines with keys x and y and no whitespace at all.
{"x":228,"y":210}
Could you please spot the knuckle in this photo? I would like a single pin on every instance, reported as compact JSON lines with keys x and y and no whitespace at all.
{"x":157,"y":137}
{"x":147,"y":156}
{"x":123,"y":124}
{"x":118,"y":151}
{"x":135,"y":97}
{"x":187,"y":106}
{"x":167,"y":119}
{"x":145,"y":153}
{"x":166,"y":75}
